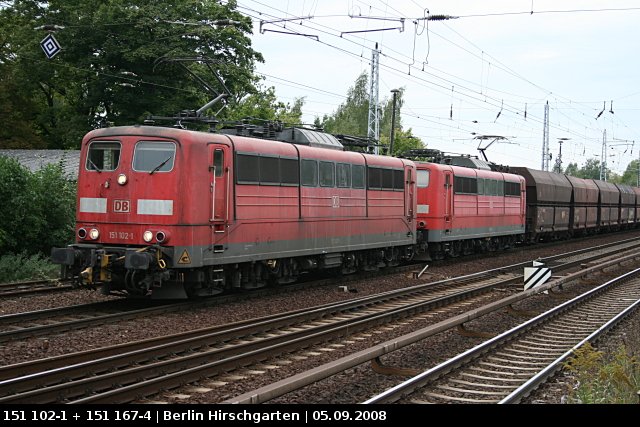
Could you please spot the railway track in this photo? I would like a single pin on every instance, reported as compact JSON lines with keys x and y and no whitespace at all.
{"x":59,"y":320}
{"x":166,"y":362}
{"x":169,"y":361}
{"x":31,"y":287}
{"x":509,"y":367}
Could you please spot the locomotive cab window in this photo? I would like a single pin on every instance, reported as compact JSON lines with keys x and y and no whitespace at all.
{"x":154,"y":156}
{"x":218,"y":162}
{"x":423,"y":178}
{"x":103,"y":156}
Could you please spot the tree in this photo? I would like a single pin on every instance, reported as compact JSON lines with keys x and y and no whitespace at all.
{"x":263,"y":105}
{"x":108,"y":68}
{"x":572,"y":169}
{"x":631,"y":175}
{"x":352,"y":118}
{"x":591,"y":169}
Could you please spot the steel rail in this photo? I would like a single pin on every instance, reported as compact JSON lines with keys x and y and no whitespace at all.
{"x":297,"y":381}
{"x":450,"y":365}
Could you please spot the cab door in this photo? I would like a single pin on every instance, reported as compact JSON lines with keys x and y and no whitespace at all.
{"x":409,"y":193}
{"x":448,"y":198}
{"x":219,"y":173}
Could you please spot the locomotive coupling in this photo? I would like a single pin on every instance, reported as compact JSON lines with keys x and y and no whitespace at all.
{"x":138,"y":260}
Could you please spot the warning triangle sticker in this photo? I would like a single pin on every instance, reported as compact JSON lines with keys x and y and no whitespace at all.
{"x":184,"y":258}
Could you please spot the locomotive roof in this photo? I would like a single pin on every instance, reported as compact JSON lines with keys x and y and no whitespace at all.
{"x":472,"y":172}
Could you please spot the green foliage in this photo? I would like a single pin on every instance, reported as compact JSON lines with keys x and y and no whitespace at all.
{"x":631,"y":174}
{"x":55,"y":197}
{"x":18,"y":221}
{"x":37,"y":210}
{"x":572,"y":169}
{"x":24,"y":267}
{"x":352,"y":117}
{"x":590,"y":170}
{"x":601,"y":381}
{"x":263,"y":105}
{"x":107,"y":69}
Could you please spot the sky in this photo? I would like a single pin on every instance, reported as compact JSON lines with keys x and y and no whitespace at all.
{"x":490,"y":71}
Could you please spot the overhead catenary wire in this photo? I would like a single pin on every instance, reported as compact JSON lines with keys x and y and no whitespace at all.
{"x":528,"y":106}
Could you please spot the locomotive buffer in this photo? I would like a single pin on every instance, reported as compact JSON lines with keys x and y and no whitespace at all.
{"x":536,"y":275}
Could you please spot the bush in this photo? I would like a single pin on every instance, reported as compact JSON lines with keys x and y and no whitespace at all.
{"x":37,"y":210}
{"x":25,"y":267}
{"x":55,"y":199}
{"x":18,"y":218}
{"x":604,"y":381}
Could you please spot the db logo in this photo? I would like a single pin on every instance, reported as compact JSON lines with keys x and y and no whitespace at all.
{"x":122,"y":206}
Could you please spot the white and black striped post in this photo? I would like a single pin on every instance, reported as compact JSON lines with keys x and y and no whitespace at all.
{"x":536,"y":275}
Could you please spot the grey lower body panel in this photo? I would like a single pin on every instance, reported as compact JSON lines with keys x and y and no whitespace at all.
{"x":258,"y":251}
{"x":473,"y":233}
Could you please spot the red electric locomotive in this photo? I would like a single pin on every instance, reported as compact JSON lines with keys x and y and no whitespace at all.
{"x":462,"y":210}
{"x":171,"y":213}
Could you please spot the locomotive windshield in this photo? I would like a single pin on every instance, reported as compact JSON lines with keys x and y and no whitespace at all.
{"x":103,"y":156}
{"x":154,"y":156}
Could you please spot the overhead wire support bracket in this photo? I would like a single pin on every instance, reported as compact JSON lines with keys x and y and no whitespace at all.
{"x":401,"y":28}
{"x":311,"y":36}
{"x":291,"y":33}
{"x":275,"y":21}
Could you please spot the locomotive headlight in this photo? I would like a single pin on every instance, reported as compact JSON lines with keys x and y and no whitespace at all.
{"x":147,"y":236}
{"x":82,"y":233}
{"x":94,"y":234}
{"x":162,"y":236}
{"x":122,"y":179}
